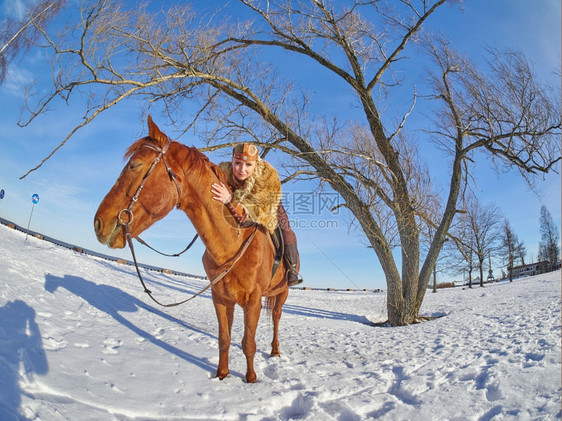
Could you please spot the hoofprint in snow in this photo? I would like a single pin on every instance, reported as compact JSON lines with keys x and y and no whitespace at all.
{"x":80,"y":341}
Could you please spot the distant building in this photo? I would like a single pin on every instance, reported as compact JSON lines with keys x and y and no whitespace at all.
{"x":531,"y":269}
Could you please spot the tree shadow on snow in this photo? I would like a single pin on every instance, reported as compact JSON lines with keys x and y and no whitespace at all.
{"x":114,"y":301}
{"x":20,"y":344}
{"x":324,"y":314}
{"x":334,"y":315}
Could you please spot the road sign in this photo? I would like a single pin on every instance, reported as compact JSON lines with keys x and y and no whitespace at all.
{"x":35,"y":200}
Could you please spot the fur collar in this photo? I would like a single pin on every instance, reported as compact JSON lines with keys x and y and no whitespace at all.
{"x":259,"y":194}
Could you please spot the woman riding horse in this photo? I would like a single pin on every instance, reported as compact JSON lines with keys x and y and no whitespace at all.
{"x":256,"y":198}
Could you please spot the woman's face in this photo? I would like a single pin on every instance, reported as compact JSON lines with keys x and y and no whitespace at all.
{"x":243,"y":169}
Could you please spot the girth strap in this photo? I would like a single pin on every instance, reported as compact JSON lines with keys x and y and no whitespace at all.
{"x":279,"y":245}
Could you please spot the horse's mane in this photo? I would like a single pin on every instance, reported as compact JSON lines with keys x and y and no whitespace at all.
{"x":192,"y":158}
{"x":200,"y":161}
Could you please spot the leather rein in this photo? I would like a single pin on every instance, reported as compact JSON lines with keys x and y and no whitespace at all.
{"x":228,"y":265}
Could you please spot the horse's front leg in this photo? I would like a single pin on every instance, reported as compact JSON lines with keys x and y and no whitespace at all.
{"x":251,"y":316}
{"x":276,"y":316}
{"x":225,"y":316}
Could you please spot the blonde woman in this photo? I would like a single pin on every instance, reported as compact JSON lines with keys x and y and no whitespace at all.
{"x":256,"y":198}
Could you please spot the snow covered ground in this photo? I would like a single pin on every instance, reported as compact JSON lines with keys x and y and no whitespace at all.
{"x":80,"y":341}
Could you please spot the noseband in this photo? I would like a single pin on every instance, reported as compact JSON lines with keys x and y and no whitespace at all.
{"x":160,"y":157}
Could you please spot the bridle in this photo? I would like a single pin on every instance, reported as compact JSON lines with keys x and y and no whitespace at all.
{"x":160,"y":157}
{"x":129,"y":210}
{"x":229,"y":264}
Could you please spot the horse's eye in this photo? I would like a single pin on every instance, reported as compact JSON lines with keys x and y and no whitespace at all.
{"x":134,"y":165}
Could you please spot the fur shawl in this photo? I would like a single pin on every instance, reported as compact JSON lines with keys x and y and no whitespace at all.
{"x":259,"y":194}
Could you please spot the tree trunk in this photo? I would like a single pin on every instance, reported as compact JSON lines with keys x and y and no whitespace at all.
{"x":401,"y":312}
{"x":481,"y":268}
{"x":435,"y":279}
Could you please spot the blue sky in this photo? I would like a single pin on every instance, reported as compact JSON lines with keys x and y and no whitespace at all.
{"x":72,"y":184}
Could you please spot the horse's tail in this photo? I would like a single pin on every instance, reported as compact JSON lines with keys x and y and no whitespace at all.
{"x":268,"y":305}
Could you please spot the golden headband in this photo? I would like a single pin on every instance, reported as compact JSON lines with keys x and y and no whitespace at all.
{"x":245,"y":152}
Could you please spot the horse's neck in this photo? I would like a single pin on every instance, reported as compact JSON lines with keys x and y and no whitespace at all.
{"x":205,"y":213}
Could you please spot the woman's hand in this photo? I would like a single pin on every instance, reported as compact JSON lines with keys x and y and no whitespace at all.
{"x":221,"y":193}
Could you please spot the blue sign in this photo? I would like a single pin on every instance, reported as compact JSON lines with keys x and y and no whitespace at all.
{"x":2,"y":193}
{"x":35,"y":198}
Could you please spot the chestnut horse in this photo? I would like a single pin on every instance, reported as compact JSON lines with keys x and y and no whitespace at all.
{"x":182,"y":176}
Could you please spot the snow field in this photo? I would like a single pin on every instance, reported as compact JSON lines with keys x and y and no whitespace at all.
{"x":80,"y":340}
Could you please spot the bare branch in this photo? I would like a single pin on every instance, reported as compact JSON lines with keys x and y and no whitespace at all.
{"x":177,"y":57}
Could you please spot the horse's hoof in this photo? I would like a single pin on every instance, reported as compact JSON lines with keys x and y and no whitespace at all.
{"x":251,"y":378}
{"x":275,"y":354}
{"x":221,"y":376}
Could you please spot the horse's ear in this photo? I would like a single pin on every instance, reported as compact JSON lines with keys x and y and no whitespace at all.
{"x":155,"y":133}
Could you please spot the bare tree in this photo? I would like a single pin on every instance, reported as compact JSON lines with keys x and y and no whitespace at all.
{"x":475,"y":236}
{"x":459,"y":252}
{"x":177,"y":55}
{"x":428,"y":230}
{"x":18,"y":35}
{"x":484,"y":229}
{"x":511,"y":248}
{"x":431,"y":233}
{"x":549,"y":249}
{"x":521,"y":252}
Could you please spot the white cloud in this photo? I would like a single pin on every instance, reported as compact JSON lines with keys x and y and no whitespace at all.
{"x":17,"y":79}
{"x":16,"y":8}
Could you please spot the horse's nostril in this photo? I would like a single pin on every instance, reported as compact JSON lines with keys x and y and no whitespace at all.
{"x":97,"y":225}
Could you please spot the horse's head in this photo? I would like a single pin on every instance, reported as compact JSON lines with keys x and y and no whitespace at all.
{"x":145,"y":192}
